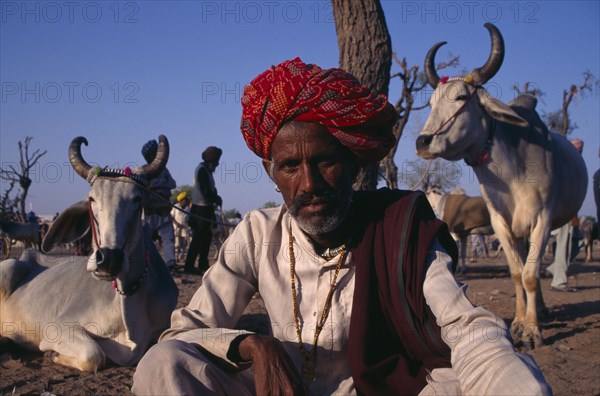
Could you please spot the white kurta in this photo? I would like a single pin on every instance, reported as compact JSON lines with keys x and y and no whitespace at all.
{"x":255,"y":258}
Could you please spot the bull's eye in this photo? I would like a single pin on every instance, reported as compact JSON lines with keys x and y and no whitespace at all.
{"x":462,"y":97}
{"x":91,"y":199}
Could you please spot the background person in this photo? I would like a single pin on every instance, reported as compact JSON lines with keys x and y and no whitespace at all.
{"x":180,"y":223}
{"x":567,"y":247}
{"x":202,"y":218}
{"x":157,"y":209}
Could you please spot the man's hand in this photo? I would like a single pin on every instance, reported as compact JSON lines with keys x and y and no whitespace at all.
{"x":274,"y":372}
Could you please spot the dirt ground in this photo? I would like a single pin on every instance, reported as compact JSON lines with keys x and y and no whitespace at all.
{"x":569,"y":358}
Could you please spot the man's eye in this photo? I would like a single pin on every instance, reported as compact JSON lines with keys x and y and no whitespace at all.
{"x":288,"y":169}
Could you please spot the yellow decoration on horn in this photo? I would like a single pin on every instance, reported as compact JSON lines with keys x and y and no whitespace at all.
{"x":468,"y":79}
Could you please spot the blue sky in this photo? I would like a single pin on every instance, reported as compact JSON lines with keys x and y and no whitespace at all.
{"x":120,"y":73}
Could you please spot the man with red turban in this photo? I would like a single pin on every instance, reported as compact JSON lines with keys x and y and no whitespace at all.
{"x":360,"y":119}
{"x":358,"y":286}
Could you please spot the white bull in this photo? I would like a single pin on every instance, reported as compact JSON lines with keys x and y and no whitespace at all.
{"x":112,"y":305}
{"x":532,"y":180}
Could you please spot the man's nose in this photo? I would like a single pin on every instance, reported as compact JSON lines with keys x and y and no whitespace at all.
{"x":311,"y":179}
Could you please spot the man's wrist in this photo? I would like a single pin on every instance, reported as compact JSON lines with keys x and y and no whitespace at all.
{"x":234,"y":354}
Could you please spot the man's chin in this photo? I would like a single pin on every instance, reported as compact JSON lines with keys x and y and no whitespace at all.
{"x":319,"y":224}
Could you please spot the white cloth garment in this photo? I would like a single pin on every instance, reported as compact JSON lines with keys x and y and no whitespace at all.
{"x":255,"y":258}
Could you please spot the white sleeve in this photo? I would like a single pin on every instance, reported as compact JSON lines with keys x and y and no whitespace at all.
{"x":227,"y":288}
{"x":483,"y":357}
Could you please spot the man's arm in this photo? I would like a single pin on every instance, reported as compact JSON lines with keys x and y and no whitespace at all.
{"x":206,"y":188}
{"x":215,"y":308}
{"x":483,"y":357}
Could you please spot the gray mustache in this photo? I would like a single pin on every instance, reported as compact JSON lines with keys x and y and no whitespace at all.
{"x":313,"y":199}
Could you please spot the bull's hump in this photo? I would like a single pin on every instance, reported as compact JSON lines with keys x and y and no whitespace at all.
{"x":524,"y":101}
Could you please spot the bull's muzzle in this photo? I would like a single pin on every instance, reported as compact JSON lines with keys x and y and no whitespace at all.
{"x":108,"y":262}
{"x":423,"y":142}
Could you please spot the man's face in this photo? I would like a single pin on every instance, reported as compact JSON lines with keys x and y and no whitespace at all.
{"x":314,"y":173}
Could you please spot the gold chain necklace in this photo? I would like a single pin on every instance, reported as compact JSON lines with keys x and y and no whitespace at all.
{"x":310,"y":357}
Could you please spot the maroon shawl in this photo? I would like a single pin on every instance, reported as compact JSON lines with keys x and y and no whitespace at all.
{"x":393,"y":336}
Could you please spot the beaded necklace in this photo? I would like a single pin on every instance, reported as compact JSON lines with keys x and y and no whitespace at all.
{"x":310,"y":357}
{"x":328,"y":254}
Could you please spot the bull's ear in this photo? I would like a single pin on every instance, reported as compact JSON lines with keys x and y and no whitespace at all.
{"x":499,"y":110}
{"x":70,"y":225}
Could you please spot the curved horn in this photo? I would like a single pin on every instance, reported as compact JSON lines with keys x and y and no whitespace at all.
{"x":432,"y":77}
{"x":152,"y":169}
{"x":77,"y":162}
{"x":491,"y":67}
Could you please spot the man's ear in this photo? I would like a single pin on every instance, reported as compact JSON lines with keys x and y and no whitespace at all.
{"x":267,"y":165}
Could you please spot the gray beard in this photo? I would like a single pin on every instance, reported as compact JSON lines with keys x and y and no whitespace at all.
{"x":325,"y":224}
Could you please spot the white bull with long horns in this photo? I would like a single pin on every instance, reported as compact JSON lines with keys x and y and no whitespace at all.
{"x":112,"y":305}
{"x":532,"y":180}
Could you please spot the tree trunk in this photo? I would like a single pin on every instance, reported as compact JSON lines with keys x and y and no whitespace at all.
{"x":388,"y":164}
{"x":365,"y":52}
{"x":565,"y":112}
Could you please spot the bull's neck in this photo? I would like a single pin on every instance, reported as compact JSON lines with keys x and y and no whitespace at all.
{"x":480,"y":152}
{"x":501,"y":165}
{"x":139,"y":263}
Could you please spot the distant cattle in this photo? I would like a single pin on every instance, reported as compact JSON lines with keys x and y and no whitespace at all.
{"x":465,"y":216}
{"x":589,"y":232}
{"x":28,"y":233}
{"x":531,"y":179}
{"x":111,"y":305}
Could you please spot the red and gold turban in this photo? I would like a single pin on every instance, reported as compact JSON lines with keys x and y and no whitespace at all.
{"x":359,"y":118}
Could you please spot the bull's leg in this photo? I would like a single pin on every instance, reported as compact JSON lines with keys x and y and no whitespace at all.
{"x":7,"y":245}
{"x":463,"y":253}
{"x":532,"y":335}
{"x":514,"y":256}
{"x":484,"y":244}
{"x":514,"y":252}
{"x":73,"y":346}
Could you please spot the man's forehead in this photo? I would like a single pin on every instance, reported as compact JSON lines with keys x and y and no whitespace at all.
{"x":297,"y":136}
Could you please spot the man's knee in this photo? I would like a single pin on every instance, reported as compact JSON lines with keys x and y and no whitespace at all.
{"x":178,"y":367}
{"x":160,"y":365}
{"x":162,"y":356}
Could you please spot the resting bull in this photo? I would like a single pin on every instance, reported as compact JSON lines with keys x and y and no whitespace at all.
{"x":112,"y":305}
{"x":532,"y":180}
{"x":25,"y":232}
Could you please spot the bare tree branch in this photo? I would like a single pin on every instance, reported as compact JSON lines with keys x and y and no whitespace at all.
{"x":26,"y":162}
{"x":560,"y":120}
{"x":528,"y":89}
{"x":412,"y":82}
